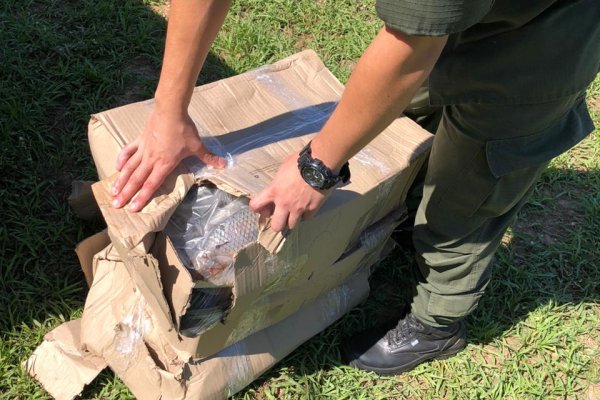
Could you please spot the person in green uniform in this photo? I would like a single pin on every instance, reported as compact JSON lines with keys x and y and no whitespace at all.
{"x":506,"y":81}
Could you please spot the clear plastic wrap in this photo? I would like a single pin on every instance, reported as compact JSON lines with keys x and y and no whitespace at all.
{"x":130,"y":333}
{"x":208,"y":229}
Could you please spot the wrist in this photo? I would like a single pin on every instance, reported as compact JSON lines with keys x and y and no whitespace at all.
{"x":328,"y":154}
{"x":168,"y":103}
{"x":168,"y":110}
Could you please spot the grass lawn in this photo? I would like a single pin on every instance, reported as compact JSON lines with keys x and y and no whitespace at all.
{"x":535,"y":335}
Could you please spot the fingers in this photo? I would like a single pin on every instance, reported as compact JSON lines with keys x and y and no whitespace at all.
{"x":264,"y":214}
{"x":126,"y":153}
{"x":282,"y":217}
{"x":151,"y":185}
{"x":279,"y":220}
{"x":126,"y":171}
{"x":261,"y":200}
{"x":294,"y":219}
{"x":133,"y":184}
{"x":211,"y":159}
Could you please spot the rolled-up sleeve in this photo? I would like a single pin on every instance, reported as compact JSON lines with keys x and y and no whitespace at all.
{"x":432,"y":17}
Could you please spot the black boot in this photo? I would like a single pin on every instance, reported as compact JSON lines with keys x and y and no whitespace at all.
{"x":404,"y":347}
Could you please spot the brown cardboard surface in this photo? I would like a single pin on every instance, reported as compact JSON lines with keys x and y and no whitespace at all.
{"x":115,"y":324}
{"x":260,"y":117}
{"x":60,"y":365}
{"x":130,"y":229}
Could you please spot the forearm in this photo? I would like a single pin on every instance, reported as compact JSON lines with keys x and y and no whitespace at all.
{"x":381,"y":86}
{"x":193,"y":26}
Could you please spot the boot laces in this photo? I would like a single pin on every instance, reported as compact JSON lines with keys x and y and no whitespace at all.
{"x":403,"y":330}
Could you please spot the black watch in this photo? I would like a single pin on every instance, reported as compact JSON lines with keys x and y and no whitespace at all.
{"x":316,"y":174}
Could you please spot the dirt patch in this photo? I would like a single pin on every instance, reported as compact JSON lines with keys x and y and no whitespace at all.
{"x":492,"y":356}
{"x":162,"y":9}
{"x":303,"y":42}
{"x":142,"y":74}
{"x":552,"y":224}
{"x":594,"y":104}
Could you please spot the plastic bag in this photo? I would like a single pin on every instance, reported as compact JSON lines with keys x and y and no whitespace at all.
{"x":207,"y":230}
{"x":207,"y":307}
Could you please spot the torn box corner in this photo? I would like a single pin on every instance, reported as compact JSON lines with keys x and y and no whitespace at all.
{"x":272,"y":241}
{"x":60,"y":365}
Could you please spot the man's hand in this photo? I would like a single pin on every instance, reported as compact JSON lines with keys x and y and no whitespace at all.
{"x":145,"y":163}
{"x":170,"y":134}
{"x":382,"y":84}
{"x":288,"y":198}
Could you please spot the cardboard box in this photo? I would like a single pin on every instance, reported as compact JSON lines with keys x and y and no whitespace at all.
{"x":140,"y":287}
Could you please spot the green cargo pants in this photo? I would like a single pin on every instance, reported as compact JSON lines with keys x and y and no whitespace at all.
{"x":483,"y":165}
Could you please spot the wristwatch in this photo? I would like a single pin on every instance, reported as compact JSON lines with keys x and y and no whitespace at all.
{"x":316,"y":174}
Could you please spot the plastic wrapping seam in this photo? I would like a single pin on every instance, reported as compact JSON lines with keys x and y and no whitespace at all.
{"x":376,"y":233}
{"x":379,"y":231}
{"x":260,"y":277}
{"x":336,"y":303}
{"x":369,"y":157}
{"x":240,"y":368}
{"x":384,"y":189}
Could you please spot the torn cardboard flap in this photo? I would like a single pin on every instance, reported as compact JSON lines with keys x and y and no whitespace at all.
{"x":86,"y":251}
{"x":236,"y":366}
{"x":131,"y":228}
{"x":60,"y":365}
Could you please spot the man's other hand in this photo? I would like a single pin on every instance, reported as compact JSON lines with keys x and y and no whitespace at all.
{"x":288,"y":199}
{"x":147,"y":161}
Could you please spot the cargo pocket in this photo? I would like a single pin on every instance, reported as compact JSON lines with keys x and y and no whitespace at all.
{"x":508,"y":155}
{"x":458,"y":179}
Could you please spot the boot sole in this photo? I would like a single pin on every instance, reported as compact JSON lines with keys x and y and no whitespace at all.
{"x":456,"y":348}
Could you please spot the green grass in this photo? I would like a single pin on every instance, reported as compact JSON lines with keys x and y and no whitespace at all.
{"x":535,"y":335}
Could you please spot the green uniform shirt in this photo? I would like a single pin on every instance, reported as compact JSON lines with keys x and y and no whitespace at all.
{"x":504,"y":51}
{"x":503,"y":59}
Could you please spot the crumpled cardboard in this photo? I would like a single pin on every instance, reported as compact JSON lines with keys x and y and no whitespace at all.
{"x":286,"y":289}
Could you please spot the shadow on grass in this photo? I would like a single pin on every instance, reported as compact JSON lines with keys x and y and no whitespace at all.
{"x":61,"y":62}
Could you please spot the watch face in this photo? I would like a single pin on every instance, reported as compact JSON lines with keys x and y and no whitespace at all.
{"x":312,"y":176}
